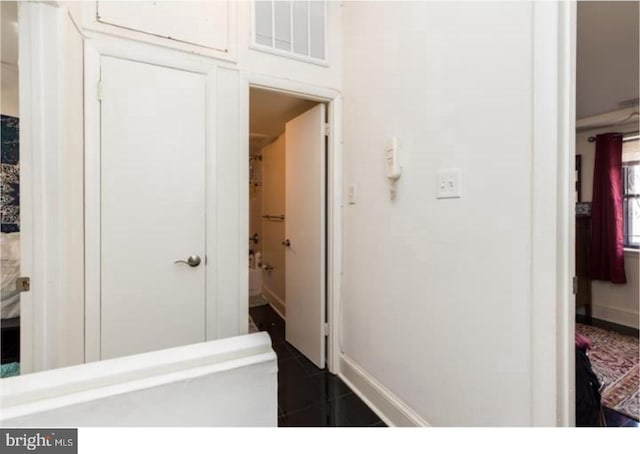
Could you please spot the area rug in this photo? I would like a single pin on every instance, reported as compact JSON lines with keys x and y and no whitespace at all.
{"x":615,"y":360}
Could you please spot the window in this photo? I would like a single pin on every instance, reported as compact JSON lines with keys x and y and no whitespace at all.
{"x":292,"y":28}
{"x":631,"y":193}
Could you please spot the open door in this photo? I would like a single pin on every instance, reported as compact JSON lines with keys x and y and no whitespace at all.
{"x":305,"y":233}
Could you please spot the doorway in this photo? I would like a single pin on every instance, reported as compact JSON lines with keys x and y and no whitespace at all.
{"x":607,"y":214}
{"x":10,"y":205}
{"x":287,"y":215}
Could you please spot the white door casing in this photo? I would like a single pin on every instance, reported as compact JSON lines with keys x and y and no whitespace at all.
{"x":305,"y":227}
{"x":152,"y":207}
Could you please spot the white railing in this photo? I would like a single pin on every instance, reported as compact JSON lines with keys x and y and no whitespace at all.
{"x":225,"y":383}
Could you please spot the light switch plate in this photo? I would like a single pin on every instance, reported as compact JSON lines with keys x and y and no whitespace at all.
{"x":448,"y":184}
{"x":351,"y":190}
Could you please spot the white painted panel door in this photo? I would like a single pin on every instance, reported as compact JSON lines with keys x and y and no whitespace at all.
{"x":153,"y":207}
{"x":305,"y":231}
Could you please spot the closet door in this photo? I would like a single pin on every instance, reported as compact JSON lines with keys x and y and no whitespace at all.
{"x":152,"y":207}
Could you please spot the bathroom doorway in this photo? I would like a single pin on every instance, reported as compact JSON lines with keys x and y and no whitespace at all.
{"x":287,"y":218}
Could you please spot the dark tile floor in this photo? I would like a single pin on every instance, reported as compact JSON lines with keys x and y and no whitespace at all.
{"x":308,"y":396}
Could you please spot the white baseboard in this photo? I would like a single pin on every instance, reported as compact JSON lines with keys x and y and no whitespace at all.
{"x":383,"y":402}
{"x":615,"y":315}
{"x":275,"y":302}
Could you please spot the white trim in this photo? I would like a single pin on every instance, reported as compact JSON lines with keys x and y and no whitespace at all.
{"x":92,"y":203}
{"x":616,"y":315}
{"x":243,"y":202}
{"x":27,"y":19}
{"x":552,"y":239}
{"x":40,"y":46}
{"x":389,"y":408}
{"x":275,"y":302}
{"x":253,"y":45}
{"x":291,"y":55}
{"x":95,"y":28}
{"x":93,"y":394}
{"x":211,"y":197}
{"x":95,"y":49}
{"x":119,"y":47}
{"x":334,"y":232}
{"x":334,"y":192}
{"x":565,"y":306}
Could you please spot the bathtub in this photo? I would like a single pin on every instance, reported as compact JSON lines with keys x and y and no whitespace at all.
{"x":255,"y":281}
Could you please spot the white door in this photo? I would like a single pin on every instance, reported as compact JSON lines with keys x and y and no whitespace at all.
{"x":305,"y":232}
{"x":153,"y":207}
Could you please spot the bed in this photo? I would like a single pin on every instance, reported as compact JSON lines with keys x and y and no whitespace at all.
{"x":10,"y":302}
{"x":10,"y":261}
{"x":10,"y":239}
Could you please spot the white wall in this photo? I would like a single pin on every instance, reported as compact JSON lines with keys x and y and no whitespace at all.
{"x":9,"y":79}
{"x":437,"y":293}
{"x":616,"y":303}
{"x":273,"y":178}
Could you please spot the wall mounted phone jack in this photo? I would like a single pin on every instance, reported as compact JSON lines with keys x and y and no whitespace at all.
{"x":394,"y":170}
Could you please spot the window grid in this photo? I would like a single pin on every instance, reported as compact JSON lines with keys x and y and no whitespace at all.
{"x":311,"y":44}
{"x":631,"y":203}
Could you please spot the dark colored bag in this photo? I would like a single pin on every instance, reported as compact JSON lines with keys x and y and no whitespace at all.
{"x":588,"y":406}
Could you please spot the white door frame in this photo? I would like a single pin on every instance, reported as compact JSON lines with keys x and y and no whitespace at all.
{"x":95,"y":49}
{"x":553,"y":219}
{"x":333,"y":99}
{"x":40,"y":91}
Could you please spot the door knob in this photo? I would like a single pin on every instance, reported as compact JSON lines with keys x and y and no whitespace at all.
{"x":286,"y":243}
{"x":192,"y":261}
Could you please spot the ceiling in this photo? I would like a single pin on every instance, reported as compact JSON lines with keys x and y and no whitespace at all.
{"x":607,"y":57}
{"x":268,"y":113}
{"x":9,"y":32}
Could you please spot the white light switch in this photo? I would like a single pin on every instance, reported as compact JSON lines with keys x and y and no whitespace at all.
{"x":448,"y":184}
{"x":351,"y":194}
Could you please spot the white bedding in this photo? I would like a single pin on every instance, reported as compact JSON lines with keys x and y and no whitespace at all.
{"x":10,"y":270}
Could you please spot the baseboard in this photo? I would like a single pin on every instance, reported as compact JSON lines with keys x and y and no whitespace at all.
{"x":381,"y":400}
{"x":275,"y":302}
{"x":614,"y":315}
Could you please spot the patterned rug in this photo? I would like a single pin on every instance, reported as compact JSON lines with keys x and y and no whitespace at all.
{"x":615,"y":360}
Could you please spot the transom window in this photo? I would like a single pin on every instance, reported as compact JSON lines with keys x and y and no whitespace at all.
{"x":294,"y":28}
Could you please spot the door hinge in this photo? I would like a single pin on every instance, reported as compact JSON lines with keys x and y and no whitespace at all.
{"x":326,"y":329}
{"x":575,"y":285}
{"x":99,"y":91}
{"x":23,"y":284}
{"x":327,"y":129}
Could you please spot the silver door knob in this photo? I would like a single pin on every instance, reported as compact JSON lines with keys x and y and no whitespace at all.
{"x":192,"y":261}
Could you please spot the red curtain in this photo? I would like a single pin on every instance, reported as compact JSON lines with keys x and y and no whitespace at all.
{"x":607,"y":242}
